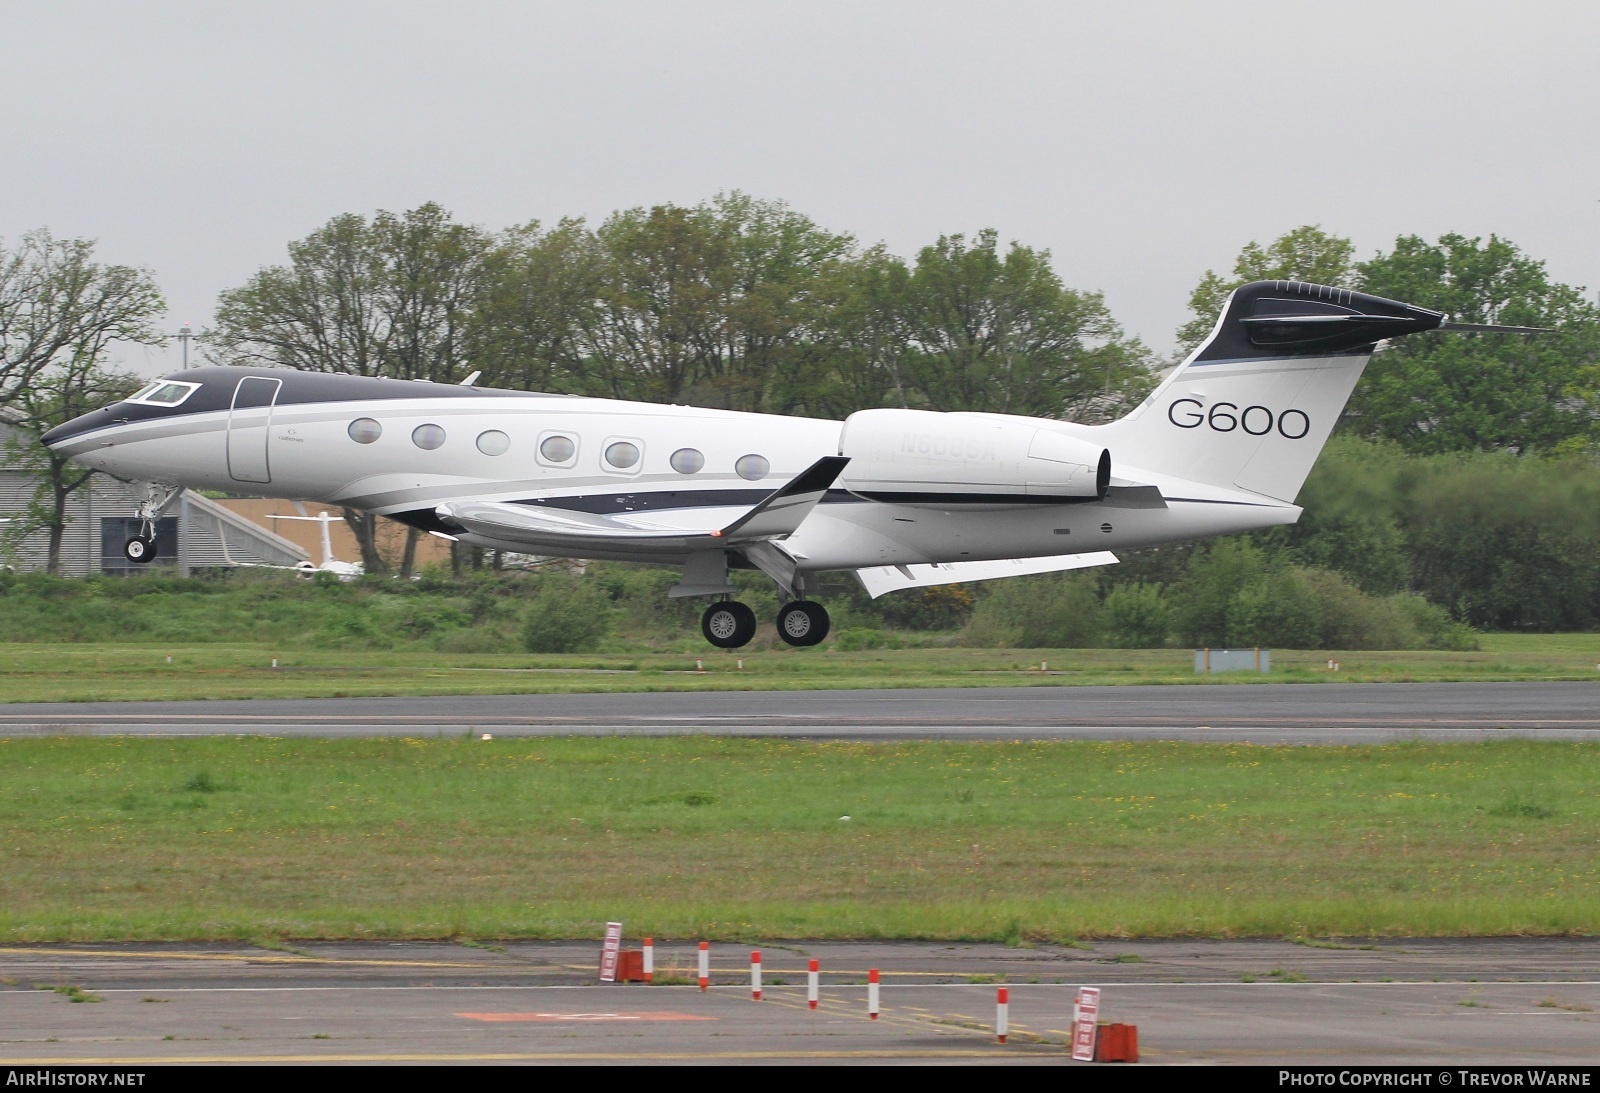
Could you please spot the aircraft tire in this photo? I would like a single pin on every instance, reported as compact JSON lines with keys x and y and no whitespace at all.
{"x":728,"y":625}
{"x":140,"y":550}
{"x":803,"y":622}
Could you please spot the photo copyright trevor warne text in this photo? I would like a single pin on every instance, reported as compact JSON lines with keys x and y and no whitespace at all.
{"x":1379,"y":1077}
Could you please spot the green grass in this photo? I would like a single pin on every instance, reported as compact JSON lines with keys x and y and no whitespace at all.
{"x":260,"y":839}
{"x":38,"y":672}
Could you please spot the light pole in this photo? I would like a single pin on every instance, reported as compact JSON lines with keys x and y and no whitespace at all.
{"x":185,"y":336}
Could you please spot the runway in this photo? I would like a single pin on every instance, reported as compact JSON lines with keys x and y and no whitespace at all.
{"x":1327,"y":713}
{"x":1436,"y":1002}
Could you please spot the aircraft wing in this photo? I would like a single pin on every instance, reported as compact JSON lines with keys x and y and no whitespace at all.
{"x":669,"y":532}
{"x":892,"y":578}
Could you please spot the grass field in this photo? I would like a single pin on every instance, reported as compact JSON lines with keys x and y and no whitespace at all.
{"x":37,"y":672}
{"x":258,"y":838}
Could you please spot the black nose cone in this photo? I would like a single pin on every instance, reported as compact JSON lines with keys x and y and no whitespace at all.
{"x":66,"y":431}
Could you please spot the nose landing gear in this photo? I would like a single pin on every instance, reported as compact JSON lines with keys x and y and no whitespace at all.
{"x":141,"y":548}
{"x":802,"y":622}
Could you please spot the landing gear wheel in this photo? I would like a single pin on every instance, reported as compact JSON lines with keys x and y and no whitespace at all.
{"x":803,"y":623}
{"x":141,"y":549}
{"x":728,"y":625}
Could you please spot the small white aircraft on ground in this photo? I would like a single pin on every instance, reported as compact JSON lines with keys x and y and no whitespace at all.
{"x":901,"y":498}
{"x":345,"y":570}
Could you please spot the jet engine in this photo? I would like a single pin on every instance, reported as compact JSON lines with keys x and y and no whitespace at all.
{"x":917,"y":457}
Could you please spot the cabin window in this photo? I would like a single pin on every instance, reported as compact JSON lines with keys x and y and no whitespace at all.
{"x":363,"y":430}
{"x":558,"y":449}
{"x":622,"y":455}
{"x":687,"y":461}
{"x":428,"y":437}
{"x":163,"y":393}
{"x":752,"y":468}
{"x":493,"y":442}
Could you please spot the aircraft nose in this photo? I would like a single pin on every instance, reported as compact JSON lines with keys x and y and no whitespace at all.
{"x":79,"y":425}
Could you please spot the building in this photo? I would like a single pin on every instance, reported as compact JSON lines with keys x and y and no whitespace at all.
{"x":196,"y":532}
{"x":391,"y":538}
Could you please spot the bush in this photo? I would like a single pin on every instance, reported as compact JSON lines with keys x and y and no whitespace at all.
{"x":1279,"y":608}
{"x":1203,"y":600}
{"x":942,"y":607}
{"x":1434,"y":627}
{"x":568,"y":615}
{"x":1046,"y":612}
{"x":861,"y":637}
{"x":1351,"y":619}
{"x":1136,"y":616}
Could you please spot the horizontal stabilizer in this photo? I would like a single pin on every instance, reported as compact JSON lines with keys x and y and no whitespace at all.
{"x":892,"y":578}
{"x":1490,"y":328}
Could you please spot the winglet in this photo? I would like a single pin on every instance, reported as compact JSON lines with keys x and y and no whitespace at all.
{"x":787,"y":507}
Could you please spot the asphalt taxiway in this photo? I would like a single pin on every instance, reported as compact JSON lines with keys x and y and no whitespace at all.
{"x":1329,"y":713}
{"x":1437,"y":1002}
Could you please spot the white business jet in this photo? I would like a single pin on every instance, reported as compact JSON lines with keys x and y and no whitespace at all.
{"x":345,"y":571}
{"x":901,"y":498}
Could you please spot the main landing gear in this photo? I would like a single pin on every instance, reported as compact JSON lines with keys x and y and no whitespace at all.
{"x":730,"y":624}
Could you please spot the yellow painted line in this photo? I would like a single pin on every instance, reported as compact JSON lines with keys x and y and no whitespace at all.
{"x":257,"y":959}
{"x":509,"y":1057}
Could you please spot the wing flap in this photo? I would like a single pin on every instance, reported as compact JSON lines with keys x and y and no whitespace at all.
{"x":891,"y":578}
{"x":778,"y":515}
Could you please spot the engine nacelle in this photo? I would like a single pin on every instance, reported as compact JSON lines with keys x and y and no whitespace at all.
{"x":917,"y":457}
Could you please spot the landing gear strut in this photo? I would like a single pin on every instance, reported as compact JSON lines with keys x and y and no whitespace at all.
{"x":728,"y":624}
{"x":802,"y":622}
{"x":141,"y":549}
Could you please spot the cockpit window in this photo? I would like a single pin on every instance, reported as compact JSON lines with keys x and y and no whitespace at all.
{"x":164,"y":393}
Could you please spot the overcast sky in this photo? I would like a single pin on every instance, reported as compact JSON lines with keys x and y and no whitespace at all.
{"x":1141,"y":143}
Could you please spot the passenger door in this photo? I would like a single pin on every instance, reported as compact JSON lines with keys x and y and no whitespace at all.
{"x":249,"y":422}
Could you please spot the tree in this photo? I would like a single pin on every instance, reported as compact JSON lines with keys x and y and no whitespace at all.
{"x":57,"y":305}
{"x":75,"y":386}
{"x":396,"y":297}
{"x":855,"y":355}
{"x":1305,"y":254}
{"x":1464,"y":392}
{"x":711,"y":304}
{"x":781,"y":262}
{"x":667,"y":271}
{"x":540,"y":301}
{"x":1001,"y":334}
{"x":60,"y":314}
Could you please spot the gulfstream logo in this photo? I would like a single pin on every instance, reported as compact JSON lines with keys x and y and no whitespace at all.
{"x":947,"y":447}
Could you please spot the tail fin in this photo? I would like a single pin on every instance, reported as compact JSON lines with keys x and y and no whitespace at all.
{"x":1252,"y":407}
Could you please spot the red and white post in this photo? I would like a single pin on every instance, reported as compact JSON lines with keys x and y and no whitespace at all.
{"x":1002,"y":1014}
{"x":811,"y":984}
{"x":1085,"y":1019}
{"x":872,"y":994}
{"x":755,"y":975}
{"x":649,"y":960}
{"x":705,"y":964}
